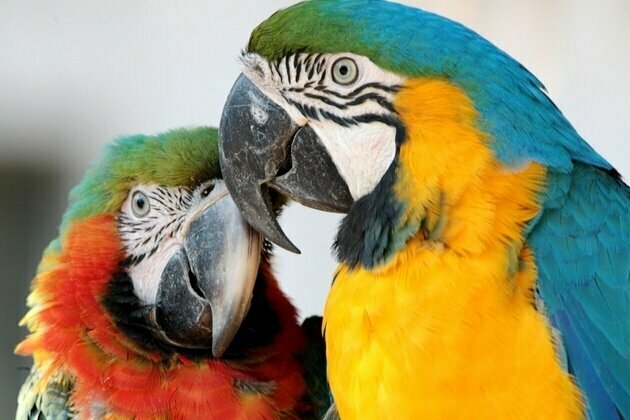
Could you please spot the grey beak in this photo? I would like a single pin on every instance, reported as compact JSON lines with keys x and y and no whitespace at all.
{"x":206,"y":287}
{"x":261,"y":148}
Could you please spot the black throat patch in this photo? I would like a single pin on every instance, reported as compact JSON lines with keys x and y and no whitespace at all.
{"x":259,"y":328}
{"x":371,"y":232}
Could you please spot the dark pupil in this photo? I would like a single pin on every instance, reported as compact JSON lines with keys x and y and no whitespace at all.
{"x":140,"y":202}
{"x":206,"y":191}
{"x":343,"y":70}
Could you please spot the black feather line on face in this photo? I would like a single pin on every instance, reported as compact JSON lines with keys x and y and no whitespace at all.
{"x":388,"y":117}
{"x":307,"y":110}
{"x":382,"y":101}
{"x":326,"y":100}
{"x":322,"y":77}
{"x":311,"y":71}
{"x":321,"y":62}
{"x":356,"y":92}
{"x":287,"y":68}
{"x":159,"y":198}
{"x":332,"y":117}
{"x":297,"y":65}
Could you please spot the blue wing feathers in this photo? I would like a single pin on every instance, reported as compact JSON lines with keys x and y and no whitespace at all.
{"x":602,"y":360}
{"x":582,"y":247}
{"x":607,"y":360}
{"x":601,"y":404}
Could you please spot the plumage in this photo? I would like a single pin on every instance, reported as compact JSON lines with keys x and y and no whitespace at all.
{"x":583,"y":255}
{"x":96,"y":352}
{"x":487,"y":272}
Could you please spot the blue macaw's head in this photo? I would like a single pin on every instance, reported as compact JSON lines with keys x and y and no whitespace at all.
{"x":317,"y":113}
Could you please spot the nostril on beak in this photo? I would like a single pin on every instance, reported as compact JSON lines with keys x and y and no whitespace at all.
{"x":259,"y":114}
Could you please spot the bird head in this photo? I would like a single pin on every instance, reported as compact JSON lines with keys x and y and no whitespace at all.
{"x":384,"y":112}
{"x":152,"y":236}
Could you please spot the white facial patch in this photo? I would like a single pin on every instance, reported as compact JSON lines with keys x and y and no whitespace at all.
{"x":146,"y":275}
{"x":355,"y":121}
{"x":361,"y":153}
{"x":152,"y":239}
{"x":259,"y":113}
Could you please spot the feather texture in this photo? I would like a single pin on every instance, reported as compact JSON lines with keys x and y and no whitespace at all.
{"x":582,"y":247}
{"x":474,"y":119}
{"x":88,"y":367}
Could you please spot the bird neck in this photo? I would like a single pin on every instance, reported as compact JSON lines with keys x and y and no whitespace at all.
{"x":445,"y":185}
{"x":451,"y":181}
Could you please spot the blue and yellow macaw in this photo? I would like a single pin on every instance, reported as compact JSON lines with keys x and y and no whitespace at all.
{"x":485,"y":252}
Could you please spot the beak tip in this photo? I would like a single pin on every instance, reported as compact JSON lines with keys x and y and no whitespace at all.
{"x":217,"y":351}
{"x":289,"y":246}
{"x":221,"y":339}
{"x":278,"y":237}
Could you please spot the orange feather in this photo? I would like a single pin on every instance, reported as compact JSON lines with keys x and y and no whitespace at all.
{"x":71,"y":332}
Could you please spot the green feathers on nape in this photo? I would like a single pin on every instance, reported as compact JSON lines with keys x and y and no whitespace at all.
{"x":297,"y":29}
{"x":180,"y":157}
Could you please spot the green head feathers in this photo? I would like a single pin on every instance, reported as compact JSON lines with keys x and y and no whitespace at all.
{"x":513,"y":107}
{"x":181,"y":157}
{"x":298,"y":29}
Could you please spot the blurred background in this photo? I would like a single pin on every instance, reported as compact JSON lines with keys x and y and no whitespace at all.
{"x":75,"y":74}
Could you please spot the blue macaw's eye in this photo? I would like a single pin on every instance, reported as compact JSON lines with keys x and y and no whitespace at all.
{"x":344,"y":71}
{"x":140,"y":204}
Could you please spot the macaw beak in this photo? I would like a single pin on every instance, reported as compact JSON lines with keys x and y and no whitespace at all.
{"x":261,"y":147}
{"x":206,"y":287}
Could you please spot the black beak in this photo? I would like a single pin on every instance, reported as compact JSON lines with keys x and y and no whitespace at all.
{"x":261,"y":148}
{"x":207,"y":285}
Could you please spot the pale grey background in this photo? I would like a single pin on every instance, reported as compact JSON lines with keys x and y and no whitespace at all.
{"x":74,"y":74}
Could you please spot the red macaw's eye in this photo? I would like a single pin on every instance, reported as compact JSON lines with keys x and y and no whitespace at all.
{"x":140,"y":204}
{"x":207,"y":190}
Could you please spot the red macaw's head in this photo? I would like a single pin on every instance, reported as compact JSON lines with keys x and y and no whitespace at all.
{"x":157,"y":300}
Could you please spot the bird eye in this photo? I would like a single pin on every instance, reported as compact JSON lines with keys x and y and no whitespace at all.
{"x":140,"y":204}
{"x":344,"y":71}
{"x":207,"y":190}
